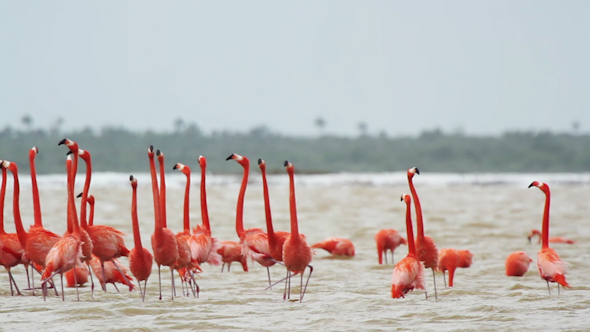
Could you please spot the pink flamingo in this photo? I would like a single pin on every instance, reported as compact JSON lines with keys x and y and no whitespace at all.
{"x":555,"y":239}
{"x":254,"y":241}
{"x":550,"y":266}
{"x":408,"y":273}
{"x":140,"y":259}
{"x":517,"y":264}
{"x":336,"y":246}
{"x":448,"y":260}
{"x":231,"y":251}
{"x":388,"y":239}
{"x":297,"y":254}
{"x":425,"y":246}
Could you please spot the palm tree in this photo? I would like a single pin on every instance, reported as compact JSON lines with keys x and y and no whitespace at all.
{"x":27,"y":120}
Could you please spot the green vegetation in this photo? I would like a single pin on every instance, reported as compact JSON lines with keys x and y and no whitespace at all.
{"x":122,"y":150}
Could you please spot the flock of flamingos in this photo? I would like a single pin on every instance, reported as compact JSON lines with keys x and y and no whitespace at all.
{"x":85,"y":246}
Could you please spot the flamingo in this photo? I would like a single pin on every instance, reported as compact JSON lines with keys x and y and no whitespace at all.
{"x":114,"y":272}
{"x":336,"y":246}
{"x":550,"y":266}
{"x":164,"y":246}
{"x":254,"y":241}
{"x":12,"y":252}
{"x":140,"y":259}
{"x":465,"y":258}
{"x":231,"y":251}
{"x":78,"y":276}
{"x":517,"y":264}
{"x":388,"y":239}
{"x":66,"y":253}
{"x":448,"y":260}
{"x":39,"y":240}
{"x":107,"y":242}
{"x":408,"y":273}
{"x":276,"y":240}
{"x":297,"y":254}
{"x":556,"y":239}
{"x":425,"y":246}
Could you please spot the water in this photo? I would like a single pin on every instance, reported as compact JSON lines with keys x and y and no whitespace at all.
{"x":489,"y":214}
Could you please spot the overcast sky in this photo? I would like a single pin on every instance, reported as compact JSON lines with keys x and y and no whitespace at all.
{"x":399,"y":66}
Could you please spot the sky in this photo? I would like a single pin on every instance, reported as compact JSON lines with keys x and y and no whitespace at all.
{"x":400,"y":67}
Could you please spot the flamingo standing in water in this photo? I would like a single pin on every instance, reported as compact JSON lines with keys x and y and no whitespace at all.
{"x":517,"y":264}
{"x":140,"y":259}
{"x":184,"y":251}
{"x":556,"y":239}
{"x":388,"y":239}
{"x":425,"y":246}
{"x":231,"y":251}
{"x":550,"y":266}
{"x":448,"y":260}
{"x":409,"y":272}
{"x":11,"y":248}
{"x":164,"y":246}
{"x":297,"y":254}
{"x":276,"y":240}
{"x":465,"y":258}
{"x":254,"y":241}
{"x":66,"y":253}
{"x":336,"y":246}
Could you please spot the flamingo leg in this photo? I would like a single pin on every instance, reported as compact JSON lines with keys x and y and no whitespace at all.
{"x":392,"y":261}
{"x":76,"y":284}
{"x":445,"y":278}
{"x":160,"y":281}
{"x":144,"y":289}
{"x":104,"y":276}
{"x":381,"y":254}
{"x":228,"y":266}
{"x":63,"y":297}
{"x":28,"y":279}
{"x":91,"y":283}
{"x":434,"y":281}
{"x":278,"y":282}
{"x":307,"y":282}
{"x":12,"y":281}
{"x":557,"y":289}
{"x":32,"y":279}
{"x":117,"y":288}
{"x":129,"y":283}
{"x":285,"y":291}
{"x":173,"y":286}
{"x":196,"y":285}
{"x":222,"y":266}
{"x":268,"y":272}
{"x":182,"y":284}
{"x":140,"y":290}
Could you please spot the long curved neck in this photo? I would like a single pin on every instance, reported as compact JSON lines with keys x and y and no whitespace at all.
{"x":410,"y":231}
{"x":36,"y":201}
{"x":136,"y":234}
{"x":418,"y":207}
{"x":18,"y":223}
{"x":269,"y":228}
{"x":240,"y":207}
{"x":91,"y":215}
{"x":72,"y":213}
{"x":156,"y":194}
{"x":2,"y":199}
{"x":293,"y":208}
{"x":85,"y":191}
{"x":187,"y":222}
{"x":204,"y":209}
{"x":545,"y":231}
{"x":162,"y":193}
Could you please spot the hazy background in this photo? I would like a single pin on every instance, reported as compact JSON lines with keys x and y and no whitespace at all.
{"x":399,"y":67}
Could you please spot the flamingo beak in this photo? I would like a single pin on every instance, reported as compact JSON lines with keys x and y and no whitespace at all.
{"x":230,"y":157}
{"x":530,"y":185}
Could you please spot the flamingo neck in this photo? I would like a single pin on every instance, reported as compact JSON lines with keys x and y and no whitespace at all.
{"x":187,"y":224}
{"x":18,"y":223}
{"x":269,"y":228}
{"x":162,"y":193}
{"x":418,"y":207}
{"x":36,"y":201}
{"x":410,"y":230}
{"x":85,"y":192}
{"x":293,"y":209}
{"x":545,"y":231}
{"x":2,"y":199}
{"x":72,"y":213}
{"x":156,"y":194}
{"x":91,"y":215}
{"x":136,"y":234}
{"x":204,"y":210}
{"x":240,"y":207}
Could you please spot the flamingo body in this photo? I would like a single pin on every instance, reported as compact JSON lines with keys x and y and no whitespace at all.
{"x":111,"y":273}
{"x":336,"y":246}
{"x":448,"y":260}
{"x":77,"y":276}
{"x":408,"y":275}
{"x":63,"y":256}
{"x":231,"y":251}
{"x":108,"y":242}
{"x":140,"y":263}
{"x":550,"y":266}
{"x":39,"y":244}
{"x":204,"y":247}
{"x":517,"y":264}
{"x":465,"y":258}
{"x":388,"y":239}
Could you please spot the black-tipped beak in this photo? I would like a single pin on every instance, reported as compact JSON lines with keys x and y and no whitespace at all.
{"x":130,"y":177}
{"x":260,"y":161}
{"x":230,"y":157}
{"x":417,"y":170}
{"x":79,"y":195}
{"x":63,"y":141}
{"x":151,"y":148}
{"x":530,"y":185}
{"x":158,"y":152}
{"x":175,"y":167}
{"x":286,"y":163}
{"x":69,"y":153}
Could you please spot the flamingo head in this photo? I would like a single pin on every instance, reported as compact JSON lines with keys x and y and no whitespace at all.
{"x":133,"y":181}
{"x":289,"y":166}
{"x":183,"y":168}
{"x":84,"y":155}
{"x":160,"y":155}
{"x":33,"y":152}
{"x":202,"y":161}
{"x":413,"y":171}
{"x":533,"y":233}
{"x":262,"y":165}
{"x":240,"y":159}
{"x":406,"y":198}
{"x":72,"y":145}
{"x":91,"y":200}
{"x":541,"y":185}
{"x":10,"y":165}
{"x":151,"y":152}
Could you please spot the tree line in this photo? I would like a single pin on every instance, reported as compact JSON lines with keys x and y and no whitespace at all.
{"x":117,"y":149}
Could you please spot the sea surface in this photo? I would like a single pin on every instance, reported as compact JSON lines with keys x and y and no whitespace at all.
{"x":488,"y":214}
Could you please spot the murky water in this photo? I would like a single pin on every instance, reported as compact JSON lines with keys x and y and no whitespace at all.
{"x":344,"y":294}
